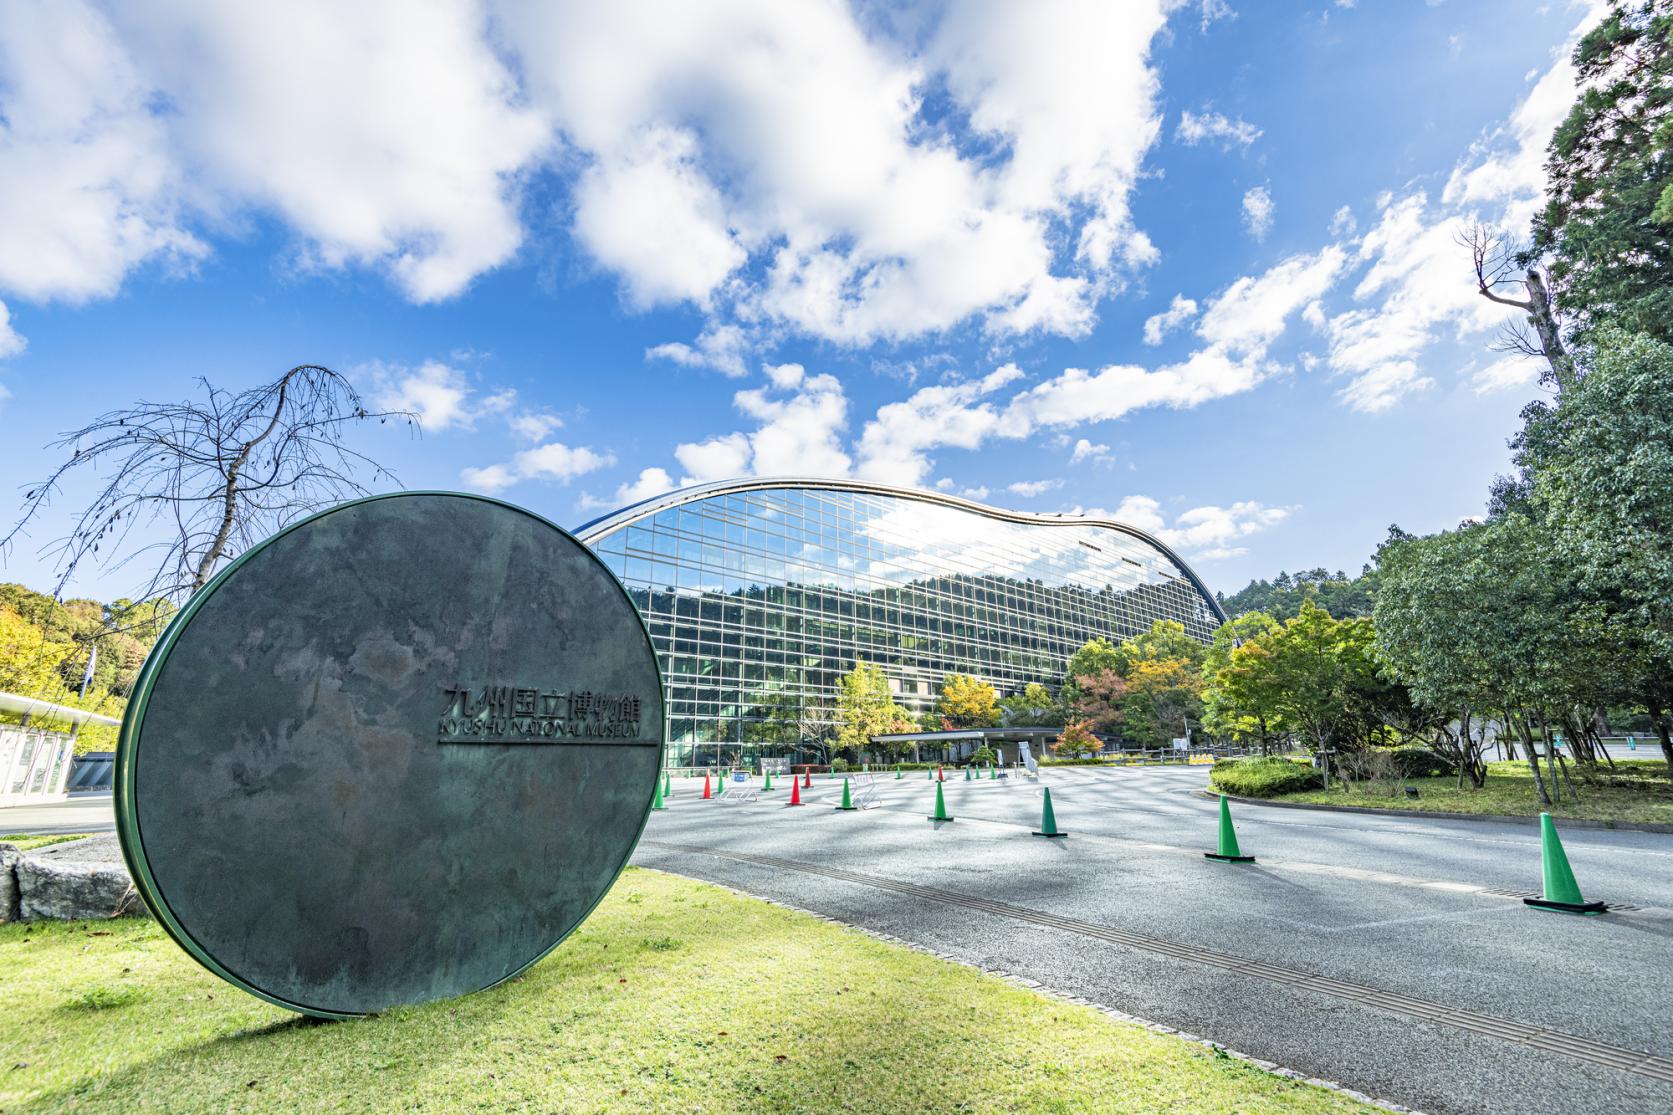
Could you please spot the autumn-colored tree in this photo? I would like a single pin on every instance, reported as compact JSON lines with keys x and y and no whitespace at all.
{"x":967,"y":702}
{"x":1162,"y":694}
{"x":1098,"y":700}
{"x":1076,"y":742}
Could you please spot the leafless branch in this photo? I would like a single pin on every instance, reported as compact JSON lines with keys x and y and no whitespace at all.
{"x":216,"y":474}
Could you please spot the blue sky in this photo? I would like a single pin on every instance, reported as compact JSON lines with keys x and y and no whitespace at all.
{"x":1190,"y":264}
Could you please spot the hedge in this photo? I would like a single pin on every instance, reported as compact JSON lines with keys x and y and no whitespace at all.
{"x":1264,"y":778}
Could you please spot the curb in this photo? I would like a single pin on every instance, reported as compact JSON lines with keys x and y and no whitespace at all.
{"x":1038,"y":988}
{"x":1430,"y":814}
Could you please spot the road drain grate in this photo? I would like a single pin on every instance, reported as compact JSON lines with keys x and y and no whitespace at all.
{"x":1534,"y":1037}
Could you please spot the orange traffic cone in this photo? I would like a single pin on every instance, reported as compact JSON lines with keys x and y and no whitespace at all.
{"x":807,"y":774}
{"x":795,"y":792}
{"x":940,"y":775}
{"x":706,"y":794}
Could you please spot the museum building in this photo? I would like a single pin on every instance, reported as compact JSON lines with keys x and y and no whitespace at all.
{"x":760,"y":594}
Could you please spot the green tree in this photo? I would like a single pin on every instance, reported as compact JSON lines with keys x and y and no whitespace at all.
{"x":1603,"y":475}
{"x":1163,"y":694}
{"x":1337,"y":593}
{"x":866,"y":707}
{"x":1487,"y":618}
{"x":967,"y":702}
{"x":1237,"y":700}
{"x":1165,"y":640}
{"x":1607,"y":225}
{"x":1033,"y":707}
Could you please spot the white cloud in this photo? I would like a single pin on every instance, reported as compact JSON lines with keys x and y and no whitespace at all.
{"x":720,"y":347}
{"x":1253,"y":311}
{"x":1238,"y":325}
{"x":1201,"y":534}
{"x":533,"y":426}
{"x":440,"y":395}
{"x":91,"y":187}
{"x":1417,"y":286}
{"x":718,"y":458}
{"x":12,"y":342}
{"x":552,"y":461}
{"x":1342,"y":222}
{"x":650,"y":482}
{"x":1031,"y":488}
{"x":1086,"y":451}
{"x":383,"y":133}
{"x":792,"y":179}
{"x":1417,"y":282}
{"x":1506,"y":374}
{"x":1506,"y":168}
{"x":1258,"y":209}
{"x":893,"y":445}
{"x":647,"y":212}
{"x":1195,"y":128}
{"x":801,"y":422}
{"x":1179,"y":311}
{"x":770,"y":163}
{"x":978,"y":493}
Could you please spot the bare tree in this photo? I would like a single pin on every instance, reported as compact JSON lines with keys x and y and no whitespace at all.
{"x":1499,"y":265}
{"x":215,"y":475}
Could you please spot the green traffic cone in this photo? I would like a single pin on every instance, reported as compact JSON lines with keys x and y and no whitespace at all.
{"x":1048,"y":819}
{"x":1229,"y":851}
{"x":929,"y":775}
{"x":667,"y":785}
{"x":897,"y":772}
{"x":967,"y":774}
{"x":847,"y":801}
{"x":766,"y":780}
{"x":940,"y":813}
{"x":656,"y":798}
{"x":1562,"y":893}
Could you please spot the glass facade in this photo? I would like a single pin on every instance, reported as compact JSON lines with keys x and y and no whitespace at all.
{"x":760,"y":595}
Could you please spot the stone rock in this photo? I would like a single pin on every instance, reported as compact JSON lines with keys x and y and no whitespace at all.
{"x":9,"y":855}
{"x":78,"y":881}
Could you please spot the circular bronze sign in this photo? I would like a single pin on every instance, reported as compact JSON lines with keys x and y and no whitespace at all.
{"x":395,"y":753}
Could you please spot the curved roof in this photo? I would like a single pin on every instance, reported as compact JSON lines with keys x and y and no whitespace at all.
{"x":591,"y":532}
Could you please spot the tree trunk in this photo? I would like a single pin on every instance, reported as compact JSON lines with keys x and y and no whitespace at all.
{"x":1661,"y":721}
{"x":1550,"y":336}
{"x":1526,"y":732}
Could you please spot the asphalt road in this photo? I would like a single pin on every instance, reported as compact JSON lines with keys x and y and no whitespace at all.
{"x":80,"y":813}
{"x":1391,"y":954}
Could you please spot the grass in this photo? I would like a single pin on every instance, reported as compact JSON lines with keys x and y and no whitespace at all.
{"x":1637,"y":792}
{"x":26,"y":843}
{"x":674,"y":996}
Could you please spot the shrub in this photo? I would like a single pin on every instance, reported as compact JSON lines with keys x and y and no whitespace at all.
{"x":1419,"y":762}
{"x":1264,"y":778}
{"x":840,"y":766}
{"x":1076,"y":742}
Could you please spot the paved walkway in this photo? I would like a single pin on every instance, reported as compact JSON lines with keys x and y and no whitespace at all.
{"x":1391,"y":954}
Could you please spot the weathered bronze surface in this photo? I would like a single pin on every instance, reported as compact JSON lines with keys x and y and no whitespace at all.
{"x":393,"y":754}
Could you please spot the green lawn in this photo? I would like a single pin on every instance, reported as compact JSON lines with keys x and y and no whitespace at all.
{"x":1637,"y":792}
{"x":27,"y":843}
{"x":674,"y":996}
